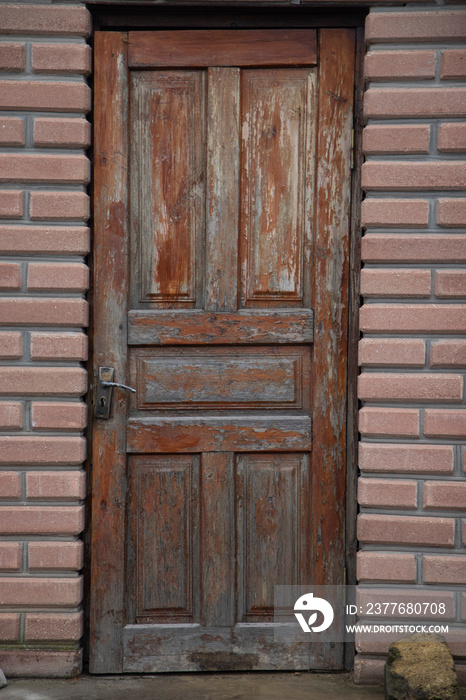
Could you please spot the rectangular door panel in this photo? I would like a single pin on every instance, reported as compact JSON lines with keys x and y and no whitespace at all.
{"x":272,"y":494}
{"x":168,"y":183}
{"x":278,"y":133}
{"x":215,"y":378}
{"x":164,"y":536}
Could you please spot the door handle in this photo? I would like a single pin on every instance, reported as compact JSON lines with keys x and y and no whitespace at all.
{"x":104,"y":392}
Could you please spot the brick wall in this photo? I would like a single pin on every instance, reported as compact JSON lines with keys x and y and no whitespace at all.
{"x":44,"y":99}
{"x":412,"y":491}
{"x":413,"y":355}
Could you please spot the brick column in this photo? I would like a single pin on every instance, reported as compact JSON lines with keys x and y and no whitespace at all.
{"x":44,"y":208}
{"x":412,"y":491}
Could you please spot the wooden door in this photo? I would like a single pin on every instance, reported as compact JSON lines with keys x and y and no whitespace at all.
{"x":222,"y":171}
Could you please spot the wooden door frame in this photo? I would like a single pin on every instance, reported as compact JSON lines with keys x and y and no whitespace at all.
{"x":108,"y":516}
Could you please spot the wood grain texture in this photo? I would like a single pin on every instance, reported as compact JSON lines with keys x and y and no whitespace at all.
{"x":198,"y":328}
{"x":110,"y":305}
{"x":250,"y":647}
{"x":164,"y":537}
{"x":218,"y":378}
{"x":273,"y":512}
{"x":217,"y":540}
{"x":329,"y":377}
{"x":221,"y":288}
{"x":278,"y":131}
{"x":231,"y":434}
{"x":211,"y":48}
{"x":167,"y":184}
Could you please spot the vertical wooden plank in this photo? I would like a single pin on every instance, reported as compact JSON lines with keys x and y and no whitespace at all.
{"x":223,"y":104}
{"x":331,"y":304}
{"x":110,"y":300}
{"x":217,"y":540}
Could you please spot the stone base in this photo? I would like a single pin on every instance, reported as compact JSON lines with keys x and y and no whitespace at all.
{"x":29,"y":663}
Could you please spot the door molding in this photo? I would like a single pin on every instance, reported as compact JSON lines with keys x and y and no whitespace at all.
{"x":331,"y":305}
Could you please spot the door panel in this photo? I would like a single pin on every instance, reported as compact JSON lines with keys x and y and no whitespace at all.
{"x":216,"y":250}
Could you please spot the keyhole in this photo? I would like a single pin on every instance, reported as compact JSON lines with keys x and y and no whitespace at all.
{"x":102,"y":402}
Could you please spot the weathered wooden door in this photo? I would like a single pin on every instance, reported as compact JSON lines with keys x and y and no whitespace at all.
{"x":222,"y":169}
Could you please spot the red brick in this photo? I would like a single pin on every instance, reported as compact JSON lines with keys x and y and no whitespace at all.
{"x":399,"y":65}
{"x":452,"y":138}
{"x":448,"y":495}
{"x":11,"y":131}
{"x":41,"y":592}
{"x":11,"y":556}
{"x":27,"y":167}
{"x":384,"y":103}
{"x":71,"y":20}
{"x":445,"y":423}
{"x":62,"y":556}
{"x":444,"y":569}
{"x":451,"y":212}
{"x":43,"y":381}
{"x":453,"y":64}
{"x":387,"y":493}
{"x":10,"y":276}
{"x":58,"y":346}
{"x":395,"y":213}
{"x":367,"y":596}
{"x":61,"y":132}
{"x":411,"y":176}
{"x":11,"y":204}
{"x":388,"y":139}
{"x":11,"y":345}
{"x":61,"y":58}
{"x":58,"y":416}
{"x":57,"y":627}
{"x":12,"y":57}
{"x":410,"y":387}
{"x":368,"y":671}
{"x":41,"y":520}
{"x":9,"y":627}
{"x":385,"y":566}
{"x":59,"y":205}
{"x":448,"y":353}
{"x":42,"y":450}
{"x":11,"y":416}
{"x":45,"y":96}
{"x":411,"y":318}
{"x":44,"y":664}
{"x":402,"y":422}
{"x":395,"y":283}
{"x":406,"y":530}
{"x":70,"y":277}
{"x":58,"y":240}
{"x":413,"y":248}
{"x":380,"y":352}
{"x":450,"y":284}
{"x":44,"y":312}
{"x":405,"y":459}
{"x":61,"y":486}
{"x":432,"y":25}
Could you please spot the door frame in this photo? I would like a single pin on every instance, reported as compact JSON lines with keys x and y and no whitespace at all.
{"x":108,"y":512}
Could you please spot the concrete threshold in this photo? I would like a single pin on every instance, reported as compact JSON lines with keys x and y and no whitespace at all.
{"x":199,"y":686}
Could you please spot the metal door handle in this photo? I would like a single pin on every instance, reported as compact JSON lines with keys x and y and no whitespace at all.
{"x":122,"y":386}
{"x":104,"y":392}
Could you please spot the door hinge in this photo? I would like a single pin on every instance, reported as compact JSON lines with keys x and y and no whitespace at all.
{"x":352,"y":159}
